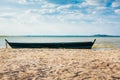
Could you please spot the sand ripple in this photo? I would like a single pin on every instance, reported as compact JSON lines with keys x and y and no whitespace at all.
{"x":59,"y":64}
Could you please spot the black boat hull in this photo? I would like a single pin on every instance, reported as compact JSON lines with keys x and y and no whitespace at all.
{"x":74,"y":45}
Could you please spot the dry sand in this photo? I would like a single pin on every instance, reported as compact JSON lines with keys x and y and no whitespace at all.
{"x":59,"y":64}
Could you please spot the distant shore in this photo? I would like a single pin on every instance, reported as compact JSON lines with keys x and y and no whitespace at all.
{"x":96,"y":35}
{"x":54,"y":64}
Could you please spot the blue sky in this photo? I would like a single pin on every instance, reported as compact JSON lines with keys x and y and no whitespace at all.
{"x":59,"y":17}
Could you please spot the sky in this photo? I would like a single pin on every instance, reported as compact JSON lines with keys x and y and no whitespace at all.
{"x":59,"y":17}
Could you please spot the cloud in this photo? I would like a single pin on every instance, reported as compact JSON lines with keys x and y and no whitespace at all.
{"x":69,"y":13}
{"x":116,"y":3}
{"x":101,"y":8}
{"x":30,"y":1}
{"x":64,"y":2}
{"x":22,"y":1}
{"x":117,"y":11}
{"x":64,"y":7}
{"x":92,"y":3}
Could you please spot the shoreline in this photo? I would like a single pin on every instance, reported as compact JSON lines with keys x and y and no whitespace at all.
{"x":54,"y":64}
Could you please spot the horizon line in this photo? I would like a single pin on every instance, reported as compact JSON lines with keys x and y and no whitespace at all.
{"x":97,"y":35}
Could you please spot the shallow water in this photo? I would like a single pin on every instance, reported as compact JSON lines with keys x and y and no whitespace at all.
{"x":101,"y":42}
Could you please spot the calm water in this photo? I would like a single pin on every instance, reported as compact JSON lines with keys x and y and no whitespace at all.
{"x":101,"y":43}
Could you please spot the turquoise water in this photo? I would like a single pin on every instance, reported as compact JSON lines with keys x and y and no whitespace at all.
{"x":101,"y":43}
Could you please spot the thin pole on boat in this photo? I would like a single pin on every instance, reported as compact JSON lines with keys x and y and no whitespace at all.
{"x":6,"y":42}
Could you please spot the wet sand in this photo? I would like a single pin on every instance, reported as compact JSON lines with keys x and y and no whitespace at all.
{"x":59,"y":64}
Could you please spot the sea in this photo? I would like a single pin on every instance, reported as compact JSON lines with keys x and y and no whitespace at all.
{"x":101,"y":42}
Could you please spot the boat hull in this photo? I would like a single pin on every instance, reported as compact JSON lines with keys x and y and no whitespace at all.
{"x":74,"y":45}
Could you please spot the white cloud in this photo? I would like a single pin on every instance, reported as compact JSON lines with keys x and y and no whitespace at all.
{"x":48,"y":5}
{"x":94,"y":12}
{"x":91,"y":3}
{"x":117,"y":11}
{"x":49,"y":12}
{"x":116,"y":4}
{"x":98,"y":10}
{"x":64,"y":7}
{"x":101,"y":8}
{"x":90,"y":14}
{"x":31,"y":1}
{"x":21,"y":1}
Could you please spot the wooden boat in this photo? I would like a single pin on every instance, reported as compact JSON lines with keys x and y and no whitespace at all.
{"x":74,"y":45}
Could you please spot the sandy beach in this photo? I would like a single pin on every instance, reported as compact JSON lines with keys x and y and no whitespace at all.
{"x":59,"y":64}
